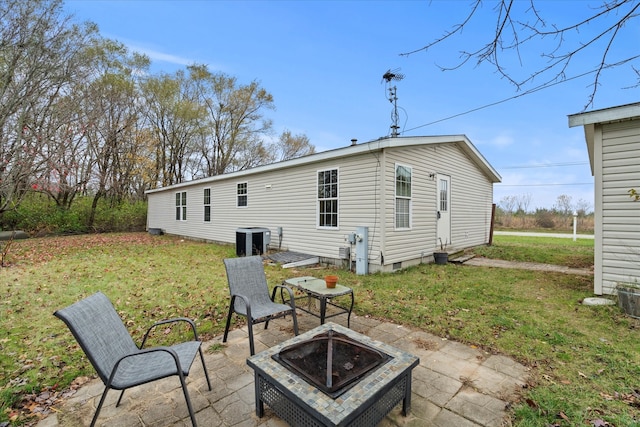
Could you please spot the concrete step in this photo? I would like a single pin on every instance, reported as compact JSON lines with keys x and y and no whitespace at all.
{"x":461,"y":258}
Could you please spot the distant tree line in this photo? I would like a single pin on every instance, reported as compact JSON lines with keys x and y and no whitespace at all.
{"x":514,"y":212}
{"x":82,"y":116}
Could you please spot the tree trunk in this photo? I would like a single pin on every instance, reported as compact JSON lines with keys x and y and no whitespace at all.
{"x":94,"y":207}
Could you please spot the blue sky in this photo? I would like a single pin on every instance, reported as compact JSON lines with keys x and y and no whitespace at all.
{"x":323,"y":62}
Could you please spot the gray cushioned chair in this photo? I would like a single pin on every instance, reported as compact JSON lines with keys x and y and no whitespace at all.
{"x":121,"y":364}
{"x":250,"y":296}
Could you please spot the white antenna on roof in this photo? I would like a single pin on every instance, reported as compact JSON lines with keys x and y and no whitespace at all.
{"x":394,"y":75}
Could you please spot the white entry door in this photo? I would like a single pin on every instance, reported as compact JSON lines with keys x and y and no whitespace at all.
{"x":443,"y":210}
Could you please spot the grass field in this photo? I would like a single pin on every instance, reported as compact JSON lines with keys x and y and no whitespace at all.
{"x":585,"y":361}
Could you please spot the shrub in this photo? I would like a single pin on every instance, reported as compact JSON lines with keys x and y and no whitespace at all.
{"x":544,"y":218}
{"x":38,"y":215}
{"x":125,"y":216}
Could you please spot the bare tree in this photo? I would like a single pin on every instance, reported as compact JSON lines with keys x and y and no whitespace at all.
{"x":40,"y":52}
{"x":522,"y":203}
{"x":66,"y":170}
{"x":109,"y":101}
{"x":141,"y":178}
{"x":564,"y":206}
{"x":521,"y":27}
{"x":508,"y":203}
{"x":237,"y":126}
{"x":582,"y":207}
{"x":176,"y":120}
{"x":291,"y":146}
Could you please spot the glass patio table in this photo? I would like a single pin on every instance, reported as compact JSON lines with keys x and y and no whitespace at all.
{"x":316,"y":289}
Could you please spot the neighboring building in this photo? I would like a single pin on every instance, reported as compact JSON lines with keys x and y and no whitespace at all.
{"x":410,"y":193}
{"x":613,"y":142}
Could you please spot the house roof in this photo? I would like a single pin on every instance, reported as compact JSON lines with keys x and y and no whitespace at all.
{"x":606,"y":115}
{"x":377,"y":145}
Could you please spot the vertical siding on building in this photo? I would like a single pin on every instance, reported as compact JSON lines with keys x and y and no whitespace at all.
{"x":620,"y":215}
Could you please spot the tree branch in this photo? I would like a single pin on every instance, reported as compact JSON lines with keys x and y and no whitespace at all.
{"x":522,"y":33}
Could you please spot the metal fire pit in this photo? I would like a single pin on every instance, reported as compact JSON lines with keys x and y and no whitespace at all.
{"x":331,"y":361}
{"x":365,"y":401}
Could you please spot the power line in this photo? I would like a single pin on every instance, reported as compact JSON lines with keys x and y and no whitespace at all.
{"x":530,"y":91}
{"x":543,"y":185}
{"x":545,"y":165}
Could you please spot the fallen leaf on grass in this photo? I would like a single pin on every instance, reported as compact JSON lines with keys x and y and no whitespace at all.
{"x":79,"y":381}
{"x":632,"y":399}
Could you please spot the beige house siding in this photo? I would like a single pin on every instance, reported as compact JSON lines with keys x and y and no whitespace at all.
{"x":411,"y":245}
{"x":471,"y":200}
{"x":286,"y":199}
{"x":620,"y":216}
{"x":285,"y":195}
{"x":613,"y":142}
{"x":471,"y":204}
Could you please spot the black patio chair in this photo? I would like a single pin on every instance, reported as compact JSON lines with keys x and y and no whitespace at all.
{"x":121,"y":364}
{"x":250,"y":296}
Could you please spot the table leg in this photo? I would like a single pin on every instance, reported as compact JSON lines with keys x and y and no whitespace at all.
{"x":350,"y":310}
{"x":323,"y":309}
{"x":259,"y":402}
{"x":406,"y":403}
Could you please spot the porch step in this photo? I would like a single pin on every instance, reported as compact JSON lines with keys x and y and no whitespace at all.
{"x":461,"y":258}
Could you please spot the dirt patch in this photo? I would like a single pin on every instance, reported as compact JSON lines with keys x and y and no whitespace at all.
{"x":426,"y":344}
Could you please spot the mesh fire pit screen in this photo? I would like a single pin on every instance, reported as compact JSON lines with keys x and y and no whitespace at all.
{"x":331,"y":361}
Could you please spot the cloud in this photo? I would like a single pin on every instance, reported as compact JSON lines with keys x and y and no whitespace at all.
{"x":155,"y":55}
{"x":158,"y":56}
{"x":487,"y":138}
{"x":502,"y":140}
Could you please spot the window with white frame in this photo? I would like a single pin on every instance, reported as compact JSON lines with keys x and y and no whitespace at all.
{"x":328,"y":198}
{"x":181,"y":206}
{"x":403,"y":196}
{"x":444,"y":195}
{"x":242,"y":194}
{"x":207,"y":205}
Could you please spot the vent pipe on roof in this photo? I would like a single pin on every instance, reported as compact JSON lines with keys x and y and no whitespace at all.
{"x":354,"y":141}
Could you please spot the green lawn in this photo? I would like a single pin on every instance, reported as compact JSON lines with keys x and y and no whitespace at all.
{"x":585,"y":361}
{"x":559,"y":251}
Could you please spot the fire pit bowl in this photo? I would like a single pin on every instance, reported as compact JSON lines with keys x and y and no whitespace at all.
{"x":331,"y":361}
{"x":364,"y":402}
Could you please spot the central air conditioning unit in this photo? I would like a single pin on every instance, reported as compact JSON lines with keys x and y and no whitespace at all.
{"x":252,"y":241}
